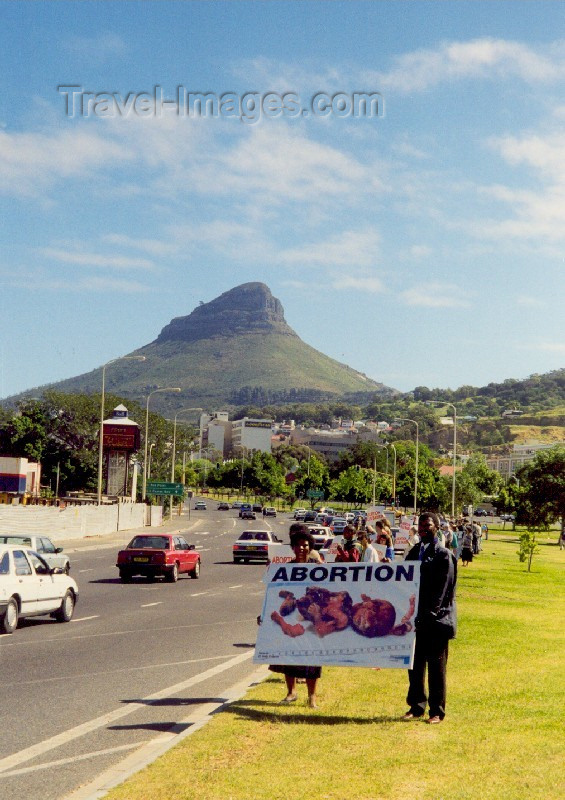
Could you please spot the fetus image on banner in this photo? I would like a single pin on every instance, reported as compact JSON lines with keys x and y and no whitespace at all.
{"x":355,"y":614}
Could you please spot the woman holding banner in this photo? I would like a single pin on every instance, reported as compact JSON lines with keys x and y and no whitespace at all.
{"x":302,"y":543}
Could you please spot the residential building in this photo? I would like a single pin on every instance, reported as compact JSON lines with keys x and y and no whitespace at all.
{"x":509,"y":463}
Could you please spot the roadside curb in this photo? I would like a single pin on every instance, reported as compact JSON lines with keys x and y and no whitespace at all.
{"x":147,"y":753}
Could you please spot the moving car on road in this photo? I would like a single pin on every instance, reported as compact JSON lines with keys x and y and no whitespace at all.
{"x":337,"y":525}
{"x":200,"y":505}
{"x":244,"y":507}
{"x":322,"y":536}
{"x":158,"y":555}
{"x":248,"y":513}
{"x":269,"y":511}
{"x":42,"y":545}
{"x":223,"y":506}
{"x":299,"y":513}
{"x":253,"y":545}
{"x":29,"y":587}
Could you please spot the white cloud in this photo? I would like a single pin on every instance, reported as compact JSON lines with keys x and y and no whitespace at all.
{"x":281,"y":165}
{"x":98,"y":48}
{"x":435,"y":295}
{"x":346,"y":249}
{"x":549,"y":347}
{"x":97,"y":260}
{"x":419,"y":251}
{"x":486,"y":58}
{"x":527,"y":301}
{"x":364,"y":284}
{"x":31,"y":162}
{"x":154,"y":247}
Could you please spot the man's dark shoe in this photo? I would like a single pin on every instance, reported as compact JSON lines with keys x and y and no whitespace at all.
{"x":409,"y":716}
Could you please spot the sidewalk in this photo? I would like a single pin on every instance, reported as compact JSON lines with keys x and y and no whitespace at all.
{"x":118,"y":538}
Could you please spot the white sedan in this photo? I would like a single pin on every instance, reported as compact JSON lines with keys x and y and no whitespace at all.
{"x":29,"y":587}
{"x":54,"y":556}
{"x":253,"y":545}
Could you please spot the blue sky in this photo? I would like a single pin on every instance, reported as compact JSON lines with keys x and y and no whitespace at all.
{"x":423,"y":246}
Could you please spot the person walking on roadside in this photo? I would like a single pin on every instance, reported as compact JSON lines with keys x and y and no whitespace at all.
{"x":467,"y":546}
{"x":435,"y":622}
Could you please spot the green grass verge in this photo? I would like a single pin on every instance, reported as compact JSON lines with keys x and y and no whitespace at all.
{"x":502,"y":738}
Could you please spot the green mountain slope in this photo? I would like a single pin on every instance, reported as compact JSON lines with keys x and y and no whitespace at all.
{"x":235,"y":346}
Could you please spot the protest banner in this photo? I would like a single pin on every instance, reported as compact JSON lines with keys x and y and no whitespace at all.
{"x":329,"y":553}
{"x":374,"y":513}
{"x":280,"y":553}
{"x":402,"y":540}
{"x":356,"y":615}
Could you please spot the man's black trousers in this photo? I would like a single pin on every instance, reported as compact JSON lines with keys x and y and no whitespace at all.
{"x":431,"y":653}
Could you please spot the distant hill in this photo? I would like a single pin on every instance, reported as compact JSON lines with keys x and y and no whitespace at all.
{"x":235,"y":349}
{"x":532,"y":395}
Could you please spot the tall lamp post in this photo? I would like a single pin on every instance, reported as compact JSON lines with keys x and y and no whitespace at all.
{"x":101,"y":435}
{"x":242,"y":463}
{"x":445,"y":403}
{"x":182,"y":411}
{"x":375,"y":472}
{"x":413,"y":421}
{"x":151,"y":446}
{"x":155,"y":391}
{"x":393,"y":474}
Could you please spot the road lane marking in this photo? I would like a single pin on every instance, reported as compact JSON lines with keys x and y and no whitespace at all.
{"x":238,"y":586}
{"x":72,"y":759}
{"x":83,"y":619}
{"x":154,"y":748}
{"x":90,"y":569}
{"x":148,"y":605}
{"x":72,"y":734}
{"x":82,"y":677}
{"x":198,"y":594}
{"x":136,"y":631}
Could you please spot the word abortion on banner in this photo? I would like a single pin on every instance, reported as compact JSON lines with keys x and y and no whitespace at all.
{"x":375,"y":513}
{"x":280,"y":553}
{"x":354,"y":615}
{"x":403,"y":534}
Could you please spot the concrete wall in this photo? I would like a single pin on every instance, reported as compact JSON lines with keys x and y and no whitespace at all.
{"x":76,"y":522}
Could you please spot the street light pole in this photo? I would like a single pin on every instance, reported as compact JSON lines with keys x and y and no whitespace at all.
{"x":155,"y":391}
{"x":242,"y":462}
{"x":149,"y":461}
{"x":445,"y":403}
{"x":413,"y":421}
{"x":394,"y":476}
{"x":101,"y":434}
{"x":308,"y":464}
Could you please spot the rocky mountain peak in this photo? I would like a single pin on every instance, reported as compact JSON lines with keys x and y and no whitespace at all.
{"x":248,"y":308}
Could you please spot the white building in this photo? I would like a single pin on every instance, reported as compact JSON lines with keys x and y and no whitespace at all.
{"x":507,"y":465}
{"x":251,"y":434}
{"x":217,"y":436}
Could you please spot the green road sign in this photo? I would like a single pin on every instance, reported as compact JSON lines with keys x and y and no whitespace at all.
{"x":161,"y":488}
{"x":315,"y":494}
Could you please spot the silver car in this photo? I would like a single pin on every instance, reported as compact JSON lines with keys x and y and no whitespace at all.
{"x":42,"y":545}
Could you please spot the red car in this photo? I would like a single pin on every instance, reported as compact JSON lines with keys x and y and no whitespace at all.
{"x":153,"y":555}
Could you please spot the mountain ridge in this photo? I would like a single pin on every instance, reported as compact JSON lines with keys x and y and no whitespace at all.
{"x":239,"y":339}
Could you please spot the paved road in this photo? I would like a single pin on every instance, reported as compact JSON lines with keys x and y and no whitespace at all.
{"x":135,"y":661}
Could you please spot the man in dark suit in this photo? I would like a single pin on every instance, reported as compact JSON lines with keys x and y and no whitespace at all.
{"x":436,"y":621}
